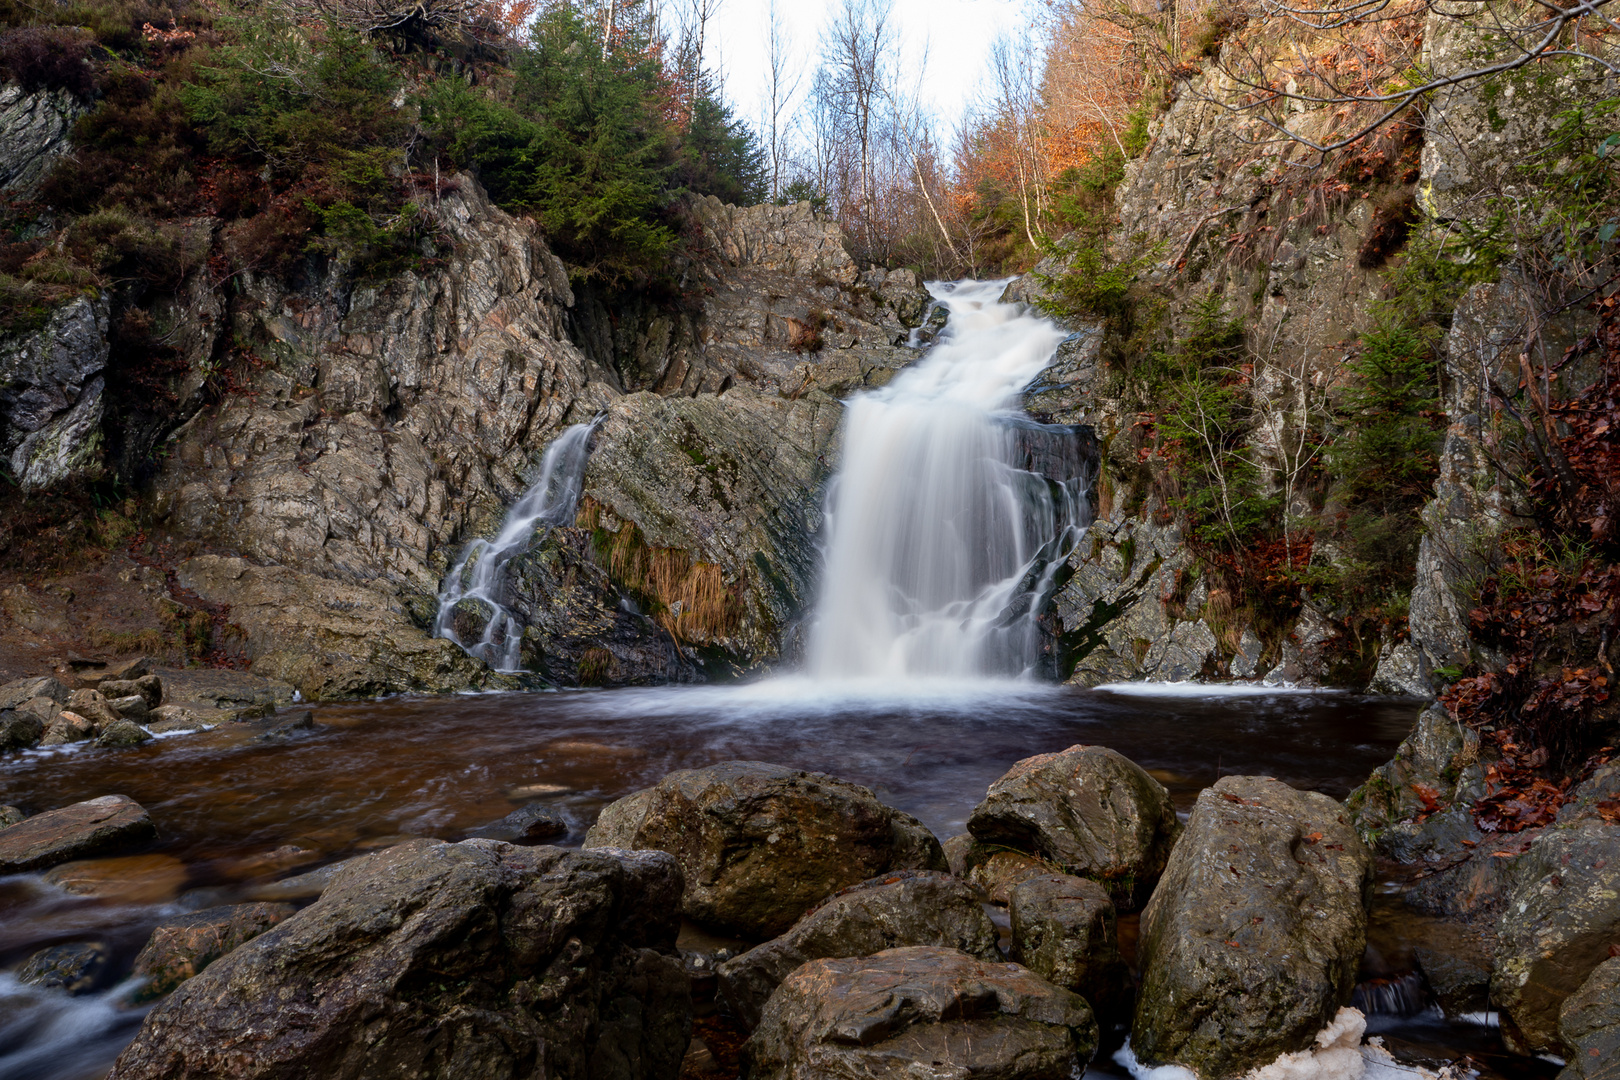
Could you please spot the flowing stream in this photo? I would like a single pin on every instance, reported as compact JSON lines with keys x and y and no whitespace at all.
{"x":940,"y":544}
{"x":481,"y":572}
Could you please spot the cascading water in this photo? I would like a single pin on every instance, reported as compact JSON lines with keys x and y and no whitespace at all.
{"x":481,"y":572}
{"x":941,"y":546}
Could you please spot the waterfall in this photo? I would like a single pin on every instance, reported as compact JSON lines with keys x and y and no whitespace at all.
{"x":480,"y":574}
{"x":941,"y":541}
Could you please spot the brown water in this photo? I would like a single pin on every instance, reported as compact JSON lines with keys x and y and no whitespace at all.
{"x":234,"y":812}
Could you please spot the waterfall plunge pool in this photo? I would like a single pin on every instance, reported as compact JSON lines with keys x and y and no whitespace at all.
{"x":233,"y":812}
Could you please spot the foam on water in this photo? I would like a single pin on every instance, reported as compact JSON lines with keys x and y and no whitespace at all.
{"x":1206,"y":690}
{"x":47,"y":1033}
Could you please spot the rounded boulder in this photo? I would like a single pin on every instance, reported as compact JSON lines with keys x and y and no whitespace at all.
{"x":760,"y":844}
{"x":1088,"y":810}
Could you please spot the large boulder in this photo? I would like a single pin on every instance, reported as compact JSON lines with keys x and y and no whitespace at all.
{"x":179,"y":948}
{"x":1251,"y":943}
{"x":1065,"y":930}
{"x":1589,"y":1024}
{"x":761,"y":843}
{"x":919,"y":907}
{"x":94,"y":827}
{"x":1086,"y":809}
{"x":1560,"y":916}
{"x":19,"y":730}
{"x":922,"y":1011}
{"x":470,"y":960}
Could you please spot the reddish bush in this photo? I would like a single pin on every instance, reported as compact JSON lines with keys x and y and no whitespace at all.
{"x":48,"y":58}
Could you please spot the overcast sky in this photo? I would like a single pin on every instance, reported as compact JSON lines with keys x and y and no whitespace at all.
{"x":957,"y":34}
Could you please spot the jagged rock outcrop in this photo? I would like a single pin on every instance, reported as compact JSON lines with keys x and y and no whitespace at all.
{"x":51,"y":390}
{"x":35,"y":126}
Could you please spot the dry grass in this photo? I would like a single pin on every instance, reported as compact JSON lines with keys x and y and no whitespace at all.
{"x":691,"y":600}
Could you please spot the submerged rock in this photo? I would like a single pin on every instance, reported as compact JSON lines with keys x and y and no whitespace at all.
{"x":1559,"y":919}
{"x":434,"y":960}
{"x":1251,"y":942}
{"x":122,"y":733}
{"x":906,"y":908}
{"x":761,"y":843}
{"x":922,"y":1011}
{"x":1064,"y":929}
{"x":181,"y":948}
{"x":1088,"y":810}
{"x":77,"y":968}
{"x":529,"y":825}
{"x":94,"y":827}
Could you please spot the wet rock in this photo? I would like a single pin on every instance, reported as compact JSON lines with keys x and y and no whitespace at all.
{"x":577,"y":628}
{"x":78,"y":968}
{"x":286,"y":727}
{"x":68,"y":727}
{"x":956,"y":850}
{"x":921,"y":1011}
{"x":1088,"y":810}
{"x":123,"y":734}
{"x":759,"y":843}
{"x":1064,"y":929}
{"x":996,"y":874}
{"x":529,"y":825}
{"x":93,"y":827}
{"x":14,"y":694}
{"x":19,"y":730}
{"x":9,"y":816}
{"x":138,"y":879}
{"x":445,"y":960}
{"x":133,"y":707}
{"x":180,"y":948}
{"x":1559,"y":918}
{"x":1461,"y":981}
{"x":906,"y":908}
{"x":94,"y":707}
{"x":306,"y":886}
{"x":1437,"y":767}
{"x":1589,"y":1025}
{"x":1252,"y":940}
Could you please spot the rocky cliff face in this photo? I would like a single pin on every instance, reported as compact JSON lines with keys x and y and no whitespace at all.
{"x":332,"y":444}
{"x":1211,"y":210}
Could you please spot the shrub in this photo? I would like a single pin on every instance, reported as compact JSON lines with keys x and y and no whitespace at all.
{"x":48,"y":58}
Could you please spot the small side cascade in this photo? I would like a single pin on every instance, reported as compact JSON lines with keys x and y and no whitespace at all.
{"x":470,"y":600}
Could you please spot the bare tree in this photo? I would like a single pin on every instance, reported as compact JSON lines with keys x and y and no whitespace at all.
{"x":857,"y":47}
{"x":782,"y":80}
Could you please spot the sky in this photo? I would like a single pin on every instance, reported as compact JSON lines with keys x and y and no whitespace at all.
{"x":957,"y":33}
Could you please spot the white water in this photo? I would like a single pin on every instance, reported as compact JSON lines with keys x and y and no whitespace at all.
{"x":940,"y":551}
{"x":481,"y":572}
